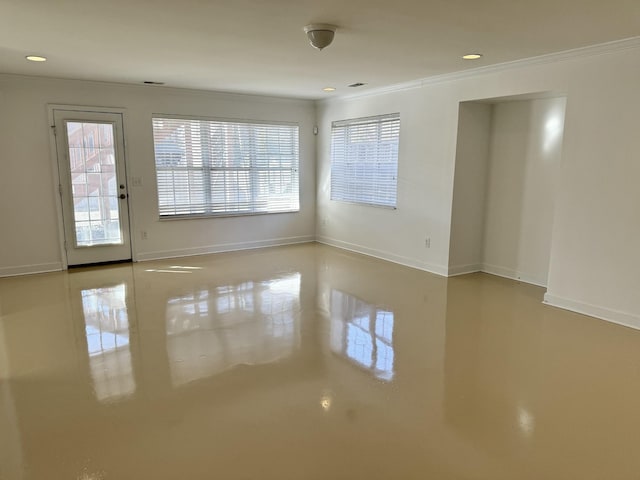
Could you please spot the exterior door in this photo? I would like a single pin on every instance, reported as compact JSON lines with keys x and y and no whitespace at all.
{"x":93,"y":186}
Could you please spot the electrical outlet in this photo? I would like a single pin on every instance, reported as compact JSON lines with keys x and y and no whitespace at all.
{"x":144,"y":234}
{"x":427,"y":242}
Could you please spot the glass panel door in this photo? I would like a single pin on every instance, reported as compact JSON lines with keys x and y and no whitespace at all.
{"x":93,"y":186}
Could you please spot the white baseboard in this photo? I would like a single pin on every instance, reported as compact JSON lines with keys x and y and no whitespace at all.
{"x":390,"y":257}
{"x":614,"y":316}
{"x":29,"y":269}
{"x":464,"y":269}
{"x":224,"y":247}
{"x":513,"y":275}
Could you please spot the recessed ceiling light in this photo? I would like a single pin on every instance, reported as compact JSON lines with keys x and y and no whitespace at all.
{"x":36,"y":58}
{"x":328,"y":89}
{"x":472,"y":56}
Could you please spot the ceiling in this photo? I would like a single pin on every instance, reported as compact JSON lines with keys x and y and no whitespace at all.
{"x":258,"y":46}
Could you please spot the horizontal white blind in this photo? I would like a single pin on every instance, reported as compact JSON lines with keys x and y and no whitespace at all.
{"x":215,"y":167}
{"x":364,"y":160}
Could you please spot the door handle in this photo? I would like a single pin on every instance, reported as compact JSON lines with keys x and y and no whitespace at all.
{"x":123,"y":196}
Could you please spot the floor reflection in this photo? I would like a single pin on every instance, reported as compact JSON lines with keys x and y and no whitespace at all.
{"x":212,"y":330}
{"x":11,"y":455}
{"x":107,"y":334}
{"x":363,"y":333}
{"x":360,"y":368}
{"x":493,"y":364}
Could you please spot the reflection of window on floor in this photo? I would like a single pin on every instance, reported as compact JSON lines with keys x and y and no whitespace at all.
{"x":107,"y":331}
{"x":363,"y":333}
{"x":210,"y":331}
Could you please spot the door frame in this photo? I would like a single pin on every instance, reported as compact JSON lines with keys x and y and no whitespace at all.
{"x":55,"y":170}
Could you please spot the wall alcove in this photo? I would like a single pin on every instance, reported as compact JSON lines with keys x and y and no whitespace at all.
{"x":508,"y":156}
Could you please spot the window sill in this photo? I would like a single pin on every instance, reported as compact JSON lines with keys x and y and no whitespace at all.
{"x":169,"y":218}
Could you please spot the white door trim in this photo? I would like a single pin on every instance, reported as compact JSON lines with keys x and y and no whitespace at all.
{"x":55,"y":171}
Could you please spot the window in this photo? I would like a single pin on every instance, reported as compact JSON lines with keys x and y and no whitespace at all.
{"x":364,"y":160}
{"x":215,"y":167}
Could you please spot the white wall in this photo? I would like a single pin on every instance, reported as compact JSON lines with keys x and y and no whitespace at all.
{"x":526,"y":151}
{"x":424,"y":181}
{"x":594,"y":261}
{"x":29,"y":236}
{"x":469,"y":188}
{"x":428,"y":140}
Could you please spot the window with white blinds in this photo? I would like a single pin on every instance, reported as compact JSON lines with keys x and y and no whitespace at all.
{"x":364,"y":160}
{"x":215,"y":167}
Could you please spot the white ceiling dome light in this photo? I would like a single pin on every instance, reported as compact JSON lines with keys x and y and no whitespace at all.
{"x":320,"y":34}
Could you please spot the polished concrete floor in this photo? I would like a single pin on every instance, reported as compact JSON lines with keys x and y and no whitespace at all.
{"x":307,"y":362}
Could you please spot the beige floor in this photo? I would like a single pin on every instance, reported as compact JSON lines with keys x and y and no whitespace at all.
{"x":307,"y":362}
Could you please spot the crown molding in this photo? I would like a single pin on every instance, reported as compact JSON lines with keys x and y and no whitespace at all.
{"x":556,"y":57}
{"x":169,"y":90}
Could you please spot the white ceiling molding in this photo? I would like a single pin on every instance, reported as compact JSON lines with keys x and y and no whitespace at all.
{"x":564,"y":56}
{"x":222,"y":94}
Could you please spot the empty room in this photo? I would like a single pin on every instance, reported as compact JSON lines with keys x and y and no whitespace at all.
{"x":319,"y":240}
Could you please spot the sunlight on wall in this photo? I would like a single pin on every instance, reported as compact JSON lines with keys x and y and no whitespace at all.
{"x":553,"y":129}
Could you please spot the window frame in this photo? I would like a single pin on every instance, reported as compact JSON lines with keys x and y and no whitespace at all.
{"x":355,"y":122}
{"x":209,"y":213}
